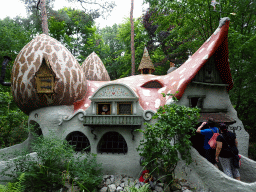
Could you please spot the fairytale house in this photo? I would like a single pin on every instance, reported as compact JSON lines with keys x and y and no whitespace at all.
{"x":81,"y":104}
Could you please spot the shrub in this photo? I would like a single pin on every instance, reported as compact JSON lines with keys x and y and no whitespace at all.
{"x":13,"y":121}
{"x":144,"y":188}
{"x":252,"y":149}
{"x":167,"y":138}
{"x":14,"y":187}
{"x":56,"y":164}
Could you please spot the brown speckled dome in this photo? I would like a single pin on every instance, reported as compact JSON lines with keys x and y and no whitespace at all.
{"x":69,"y":84}
{"x":94,"y":69}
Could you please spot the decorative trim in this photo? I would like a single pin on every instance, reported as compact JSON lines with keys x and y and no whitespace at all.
{"x":132,"y":131}
{"x":81,"y":115}
{"x":114,"y":91}
{"x":113,"y":120}
{"x":92,"y":130}
{"x":148,"y":114}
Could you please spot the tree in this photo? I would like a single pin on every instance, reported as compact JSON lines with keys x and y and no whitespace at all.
{"x":196,"y":20}
{"x":12,"y":39}
{"x":113,"y":48}
{"x":124,"y":37}
{"x":13,"y":121}
{"x":100,"y":7}
{"x":44,"y":17}
{"x":74,"y":29}
{"x":162,"y":41}
{"x":132,"y":39}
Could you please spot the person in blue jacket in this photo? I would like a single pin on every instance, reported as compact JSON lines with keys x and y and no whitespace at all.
{"x":208,"y":133}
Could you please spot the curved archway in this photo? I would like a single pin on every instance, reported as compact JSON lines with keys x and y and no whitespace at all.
{"x":79,"y":141}
{"x":35,"y":127}
{"x":112,"y":142}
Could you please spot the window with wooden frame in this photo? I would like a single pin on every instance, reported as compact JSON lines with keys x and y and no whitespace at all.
{"x":124,"y":108}
{"x":196,"y":101}
{"x":103,"y":109}
{"x":45,"y":78}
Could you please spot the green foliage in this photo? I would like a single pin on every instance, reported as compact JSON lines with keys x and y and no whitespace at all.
{"x":86,"y":173}
{"x":168,"y":137}
{"x":192,"y":22}
{"x":13,"y":122}
{"x":251,"y":153}
{"x":113,"y":48}
{"x":74,"y":29}
{"x":144,"y":188}
{"x":124,"y":37}
{"x":14,"y":187}
{"x":55,"y":165}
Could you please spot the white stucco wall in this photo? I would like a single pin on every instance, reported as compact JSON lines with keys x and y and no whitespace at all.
{"x":49,"y":119}
{"x":218,"y":97}
{"x":207,"y":177}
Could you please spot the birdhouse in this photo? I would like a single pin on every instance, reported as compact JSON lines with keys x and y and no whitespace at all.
{"x":45,"y":78}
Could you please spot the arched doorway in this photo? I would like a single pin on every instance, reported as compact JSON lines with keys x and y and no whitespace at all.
{"x":35,"y":128}
{"x":198,"y":141}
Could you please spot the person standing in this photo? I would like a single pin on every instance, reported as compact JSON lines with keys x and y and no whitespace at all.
{"x":208,"y":133}
{"x":225,"y":153}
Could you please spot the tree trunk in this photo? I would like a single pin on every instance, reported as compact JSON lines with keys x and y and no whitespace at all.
{"x":132,"y":39}
{"x":44,"y":17}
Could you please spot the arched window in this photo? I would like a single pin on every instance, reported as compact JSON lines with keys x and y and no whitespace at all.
{"x":79,"y":140}
{"x":152,"y":84}
{"x":112,"y":142}
{"x":35,"y":127}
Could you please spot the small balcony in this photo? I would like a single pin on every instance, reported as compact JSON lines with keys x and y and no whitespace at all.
{"x":113,"y":120}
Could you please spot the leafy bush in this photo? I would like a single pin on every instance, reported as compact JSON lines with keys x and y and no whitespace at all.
{"x":14,"y":187}
{"x":13,"y":121}
{"x":144,"y":188}
{"x":167,"y":138}
{"x":252,"y":149}
{"x":55,"y":165}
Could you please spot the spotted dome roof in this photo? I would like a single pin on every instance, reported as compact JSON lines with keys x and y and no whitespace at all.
{"x":94,"y":68}
{"x":69,"y":84}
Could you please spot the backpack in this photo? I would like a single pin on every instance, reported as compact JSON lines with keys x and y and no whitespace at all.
{"x":236,"y":159}
{"x":212,"y":142}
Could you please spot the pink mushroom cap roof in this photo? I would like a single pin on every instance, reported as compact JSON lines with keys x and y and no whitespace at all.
{"x":151,"y":98}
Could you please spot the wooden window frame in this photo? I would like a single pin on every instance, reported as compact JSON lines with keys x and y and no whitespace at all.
{"x":105,"y":103}
{"x":124,"y":103}
{"x":200,"y":100}
{"x":39,"y":83}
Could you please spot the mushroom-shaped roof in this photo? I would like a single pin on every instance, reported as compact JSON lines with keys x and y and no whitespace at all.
{"x":150,"y":98}
{"x":94,"y":68}
{"x":43,"y":52}
{"x":146,"y":62}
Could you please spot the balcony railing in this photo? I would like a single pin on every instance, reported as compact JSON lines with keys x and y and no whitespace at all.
{"x":113,"y":120}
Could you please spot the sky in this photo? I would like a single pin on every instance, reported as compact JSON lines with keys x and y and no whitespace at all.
{"x":13,"y":8}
